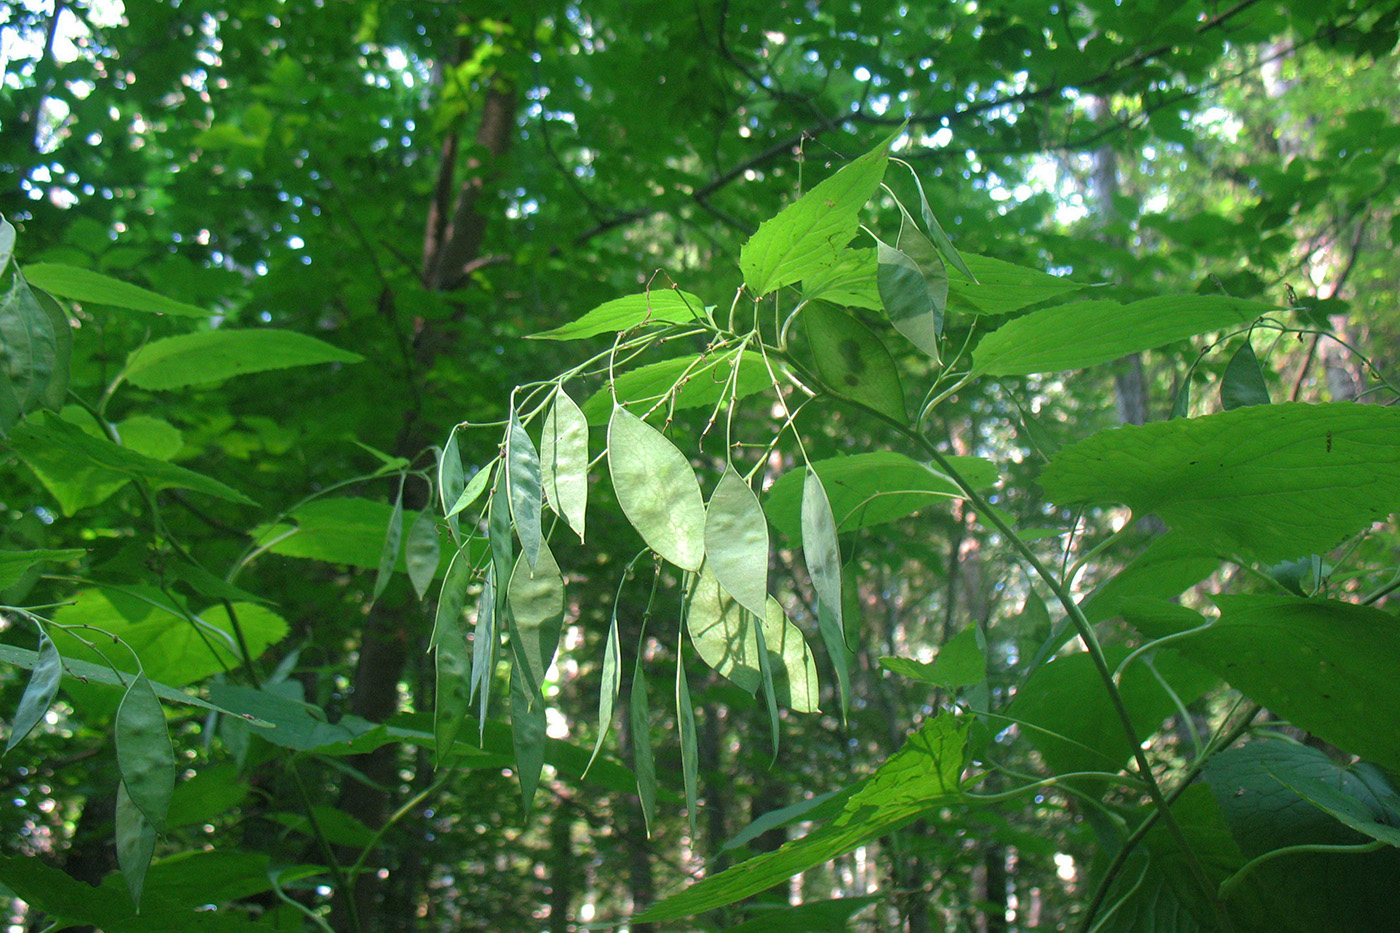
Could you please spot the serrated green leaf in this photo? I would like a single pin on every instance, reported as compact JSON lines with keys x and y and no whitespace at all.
{"x":536,"y":601}
{"x":961,"y":662}
{"x":1072,"y":722}
{"x":389,"y":555}
{"x":13,"y":564}
{"x":871,"y":488}
{"x":853,"y":362}
{"x":851,"y":281}
{"x":423,"y":552}
{"x":1002,"y":288}
{"x":213,"y":356}
{"x":564,"y":461}
{"x":1311,"y":661}
{"x":657,"y":490}
{"x":704,"y":381}
{"x":659,"y":306}
{"x":808,"y":234}
{"x":46,"y":432}
{"x":1243,"y":383}
{"x":736,"y":542}
{"x":1268,"y":482}
{"x":523,"y":489}
{"x":1086,"y":333}
{"x":921,"y":776}
{"x":85,"y":285}
{"x":39,"y":692}
{"x":144,"y":753}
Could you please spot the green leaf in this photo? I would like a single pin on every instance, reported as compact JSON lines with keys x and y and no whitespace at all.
{"x":342,"y":530}
{"x":1071,"y":721}
{"x":871,"y":488}
{"x":793,"y":669}
{"x":1243,"y":383}
{"x":13,"y":564}
{"x":656,"y":489}
{"x":28,"y":353}
{"x":452,"y":664}
{"x":961,"y":662}
{"x":907,"y":297}
{"x":704,"y":381}
{"x":831,"y":916}
{"x":852,"y":362}
{"x":389,"y":554}
{"x":536,"y":601}
{"x":851,"y":281}
{"x":56,"y":394}
{"x":736,"y":542}
{"x":472,"y":491}
{"x":424,"y":551}
{"x":144,"y":753}
{"x":690,"y":755}
{"x":46,"y":432}
{"x":643,"y":763}
{"x":486,"y":644}
{"x":564,"y":461}
{"x":1311,"y":661}
{"x":822,"y":552}
{"x":610,"y":688}
{"x":452,"y":598}
{"x":808,"y":234}
{"x":1268,"y":482}
{"x":921,"y":776}
{"x":7,"y":243}
{"x":723,"y":632}
{"x":1085,"y":333}
{"x":1254,"y":785}
{"x":85,"y":285}
{"x":1002,"y":288}
{"x":659,"y":306}
{"x":288,"y":722}
{"x":213,"y":356}
{"x":38,"y":693}
{"x":528,"y":726}
{"x":523,"y":488}
{"x":136,"y":843}
{"x":1168,"y":566}
{"x":935,"y":230}
{"x":451,"y":482}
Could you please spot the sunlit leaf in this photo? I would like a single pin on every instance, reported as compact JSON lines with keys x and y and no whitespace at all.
{"x":871,"y":488}
{"x":1002,"y":288}
{"x":1085,"y":333}
{"x":86,"y":285}
{"x":794,"y":670}
{"x":472,"y":491}
{"x":921,"y":776}
{"x":703,"y":382}
{"x":723,"y":632}
{"x":1268,"y":482}
{"x":961,"y":662}
{"x":215,"y":355}
{"x":657,"y":490}
{"x":658,"y":306}
{"x":736,"y":542}
{"x":564,"y":461}
{"x":808,"y":234}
